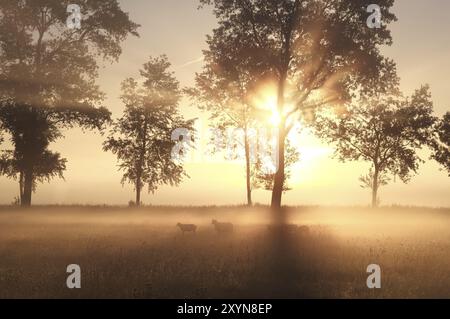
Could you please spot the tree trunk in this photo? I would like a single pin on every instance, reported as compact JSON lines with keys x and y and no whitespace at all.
{"x":248,"y":172}
{"x":21,"y":186}
{"x":140,"y":167}
{"x":375,"y":188}
{"x":278,"y":182}
{"x":279,"y":175}
{"x":138,"y":191}
{"x":27,"y":188}
{"x":138,"y":196}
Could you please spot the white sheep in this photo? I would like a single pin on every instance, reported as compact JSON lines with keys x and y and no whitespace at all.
{"x":187,"y":228}
{"x":222,"y":227}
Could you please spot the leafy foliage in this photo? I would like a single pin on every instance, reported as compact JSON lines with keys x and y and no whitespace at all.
{"x":367,"y":181}
{"x":142,"y":138}
{"x":44,"y":63}
{"x":440,"y":143}
{"x":382,"y":128}
{"x":264,"y":179}
{"x":316,"y":51}
{"x":48,"y":73}
{"x":228,"y":97}
{"x":31,"y":132}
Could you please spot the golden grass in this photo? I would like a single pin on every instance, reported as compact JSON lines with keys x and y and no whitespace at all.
{"x":127,"y":253}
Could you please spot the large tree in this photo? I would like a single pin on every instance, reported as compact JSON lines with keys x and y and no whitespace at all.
{"x":383,"y":128}
{"x":230,"y":96}
{"x":48,"y":70}
{"x":143,"y":138}
{"x":313,"y":49}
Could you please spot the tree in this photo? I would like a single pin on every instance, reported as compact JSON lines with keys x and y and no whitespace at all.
{"x":49,"y":165}
{"x":18,"y":121}
{"x":382,"y":128}
{"x":228,"y":95}
{"x":440,"y":142}
{"x":48,"y":71}
{"x":31,"y":131}
{"x":224,"y":95}
{"x":142,"y":138}
{"x":313,"y":49}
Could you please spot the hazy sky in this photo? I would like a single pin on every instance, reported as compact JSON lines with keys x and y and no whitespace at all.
{"x":421,"y":49}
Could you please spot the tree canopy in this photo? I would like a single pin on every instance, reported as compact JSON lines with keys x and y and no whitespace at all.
{"x":48,"y":73}
{"x":142,"y":138}
{"x":314,"y":50}
{"x":440,"y":142}
{"x":382,"y":128}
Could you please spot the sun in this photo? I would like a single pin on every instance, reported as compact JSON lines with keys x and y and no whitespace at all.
{"x":270,"y":104}
{"x":275,"y":119}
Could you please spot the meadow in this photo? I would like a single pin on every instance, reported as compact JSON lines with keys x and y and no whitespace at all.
{"x":140,"y":253}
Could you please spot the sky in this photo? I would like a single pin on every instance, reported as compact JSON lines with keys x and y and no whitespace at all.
{"x":177,"y":28}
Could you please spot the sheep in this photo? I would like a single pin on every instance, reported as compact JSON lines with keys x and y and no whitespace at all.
{"x":187,"y":228}
{"x":222,"y":227}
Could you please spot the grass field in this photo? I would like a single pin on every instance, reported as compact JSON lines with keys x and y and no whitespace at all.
{"x":125,"y":253}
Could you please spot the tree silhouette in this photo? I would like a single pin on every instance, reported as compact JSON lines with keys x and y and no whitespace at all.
{"x":29,"y":146}
{"x":142,"y":138}
{"x":440,"y":142}
{"x":225,"y":96}
{"x":312,"y":49}
{"x":47,"y":76}
{"x":382,"y":128}
{"x":228,"y":95}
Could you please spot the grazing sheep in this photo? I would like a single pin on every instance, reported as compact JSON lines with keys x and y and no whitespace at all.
{"x":187,"y":227}
{"x":222,"y":227}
